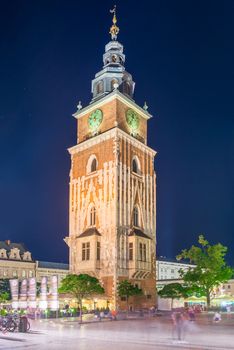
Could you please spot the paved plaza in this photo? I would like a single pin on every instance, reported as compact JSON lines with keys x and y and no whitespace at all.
{"x":134,"y":334}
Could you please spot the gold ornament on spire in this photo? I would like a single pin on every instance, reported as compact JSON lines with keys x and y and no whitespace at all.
{"x":114,"y":30}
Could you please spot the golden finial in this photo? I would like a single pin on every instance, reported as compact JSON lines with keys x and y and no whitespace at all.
{"x":114,"y":30}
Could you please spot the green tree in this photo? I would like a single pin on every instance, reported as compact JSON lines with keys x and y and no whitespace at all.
{"x":5,"y":293}
{"x":174,"y":291}
{"x":211,"y":269}
{"x":81,"y":286}
{"x":125,"y":290}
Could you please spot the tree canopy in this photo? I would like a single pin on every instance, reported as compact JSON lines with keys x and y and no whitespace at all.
{"x":5,"y":292}
{"x":174,"y":291}
{"x":81,"y":286}
{"x":126,"y":289}
{"x":211,"y":269}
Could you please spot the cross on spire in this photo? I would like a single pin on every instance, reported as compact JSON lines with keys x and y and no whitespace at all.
{"x":114,"y":29}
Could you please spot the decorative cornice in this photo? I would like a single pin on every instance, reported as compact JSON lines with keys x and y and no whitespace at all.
{"x":113,"y":95}
{"x":115,"y":132}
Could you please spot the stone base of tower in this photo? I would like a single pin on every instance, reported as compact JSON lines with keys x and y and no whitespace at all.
{"x":144,"y":301}
{"x":108,"y":285}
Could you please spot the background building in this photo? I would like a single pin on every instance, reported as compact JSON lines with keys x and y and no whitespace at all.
{"x":112,"y":215}
{"x":16,"y":262}
{"x":49,"y":269}
{"x":168,"y":269}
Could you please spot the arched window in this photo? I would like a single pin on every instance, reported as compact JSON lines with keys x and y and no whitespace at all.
{"x":92,"y":216}
{"x":94,"y":165}
{"x":135,"y":217}
{"x":113,"y":82}
{"x":100,"y":87}
{"x":136,"y":166}
{"x":126,"y":88}
{"x":114,"y":58}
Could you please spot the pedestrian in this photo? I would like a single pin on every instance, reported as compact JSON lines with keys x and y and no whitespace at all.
{"x":217,"y":317}
{"x":191,"y":314}
{"x":228,"y":309}
{"x":178,"y":324}
{"x":101,"y":315}
{"x":114,"y":315}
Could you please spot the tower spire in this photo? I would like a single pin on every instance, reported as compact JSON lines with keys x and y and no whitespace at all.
{"x":114,"y":29}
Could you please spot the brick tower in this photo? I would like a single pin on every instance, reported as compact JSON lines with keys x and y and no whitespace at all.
{"x":112,"y":214}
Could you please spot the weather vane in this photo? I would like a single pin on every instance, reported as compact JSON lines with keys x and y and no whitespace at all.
{"x":114,"y":30}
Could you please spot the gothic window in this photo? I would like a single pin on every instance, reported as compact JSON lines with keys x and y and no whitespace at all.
{"x":99,"y":87}
{"x":136,"y":165}
{"x":92,"y":216}
{"x":98,"y":250}
{"x":92,"y":164}
{"x":135,"y":217}
{"x":86,"y":251}
{"x":130,"y":251}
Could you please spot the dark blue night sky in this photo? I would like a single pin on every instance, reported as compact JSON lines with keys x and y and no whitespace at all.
{"x":181,"y":56}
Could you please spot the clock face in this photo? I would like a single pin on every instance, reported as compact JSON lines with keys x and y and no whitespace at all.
{"x":132,"y":119}
{"x":95,"y":119}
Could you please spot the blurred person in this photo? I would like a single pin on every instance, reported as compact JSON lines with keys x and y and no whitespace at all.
{"x":178,"y":320}
{"x":217,"y":317}
{"x":228,"y":309}
{"x":114,"y":315}
{"x":191,"y":314}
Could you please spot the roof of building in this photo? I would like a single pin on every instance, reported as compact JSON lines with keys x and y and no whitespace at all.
{"x":53,"y":265}
{"x":90,"y":232}
{"x":8,"y":245}
{"x":139,"y":233}
{"x":164,"y":259}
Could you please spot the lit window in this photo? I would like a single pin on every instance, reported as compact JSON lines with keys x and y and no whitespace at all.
{"x":14,"y":274}
{"x":130,"y":252}
{"x":30,"y":273}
